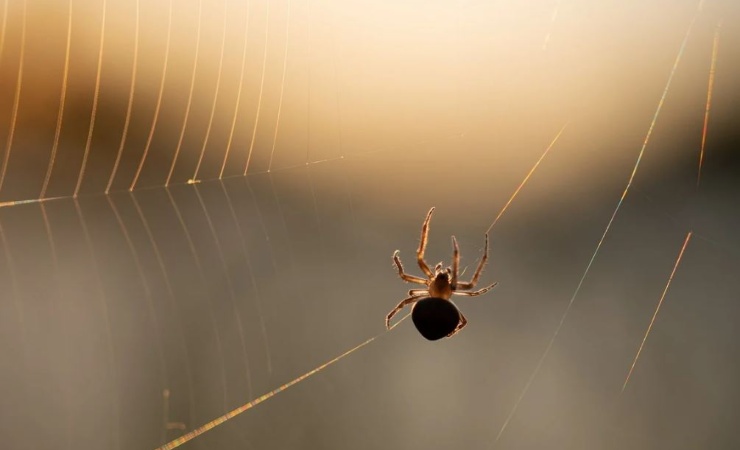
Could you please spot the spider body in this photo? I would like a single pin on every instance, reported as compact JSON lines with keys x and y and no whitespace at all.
{"x":433,"y":313}
{"x":441,"y":287}
{"x":435,"y":317}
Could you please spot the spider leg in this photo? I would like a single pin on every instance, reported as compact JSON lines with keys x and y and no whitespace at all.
{"x":471,"y":284}
{"x":455,"y":262}
{"x":404,"y":276}
{"x":400,"y":306}
{"x":419,"y":292}
{"x":423,"y":245}
{"x":475,"y":293}
{"x":460,"y":326}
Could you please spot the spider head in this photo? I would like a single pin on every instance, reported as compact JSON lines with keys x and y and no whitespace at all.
{"x":442,"y":273}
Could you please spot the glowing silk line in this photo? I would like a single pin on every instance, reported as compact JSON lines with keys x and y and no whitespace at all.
{"x":308,"y":89}
{"x":235,"y":412}
{"x":3,"y":29}
{"x":96,"y":96}
{"x":106,"y":319}
{"x":60,"y":113}
{"x":229,"y":283}
{"x":253,"y":281}
{"x":262,"y":89}
{"x":16,"y":99}
{"x":262,"y":172}
{"x":14,"y":289}
{"x":25,"y":202}
{"x":67,"y":394}
{"x":552,"y":25}
{"x":190,"y":94}
{"x":159,"y":99}
{"x":171,"y":296}
{"x":238,"y":94}
{"x":601,"y":241}
{"x":657,"y":309}
{"x":712,"y":67}
{"x":132,"y":89}
{"x":215,"y":95}
{"x":209,"y":296}
{"x":147,"y":291}
{"x":524,"y":181}
{"x":282,"y":88}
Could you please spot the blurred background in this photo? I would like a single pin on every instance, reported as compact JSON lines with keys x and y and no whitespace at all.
{"x":162,"y":287}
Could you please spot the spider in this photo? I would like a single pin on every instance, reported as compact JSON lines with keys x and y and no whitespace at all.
{"x":433,"y":313}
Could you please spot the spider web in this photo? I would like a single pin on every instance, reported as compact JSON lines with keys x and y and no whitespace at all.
{"x":200,"y":202}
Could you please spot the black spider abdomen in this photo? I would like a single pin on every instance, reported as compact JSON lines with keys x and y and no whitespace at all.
{"x":435,"y":318}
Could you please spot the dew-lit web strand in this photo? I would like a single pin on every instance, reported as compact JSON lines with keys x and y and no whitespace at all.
{"x":340,"y":141}
{"x":66,"y":390}
{"x":603,"y":236}
{"x":552,"y":25}
{"x":3,"y":29}
{"x":282,"y":87}
{"x":526,"y":178}
{"x":280,"y":169}
{"x":62,"y":100}
{"x":96,"y":97}
{"x":288,"y":240}
{"x":315,"y":204}
{"x":308,"y":83}
{"x":239,"y":89}
{"x":190,"y":94}
{"x":273,"y":262}
{"x":229,"y":284}
{"x":209,"y":296}
{"x":657,"y":309}
{"x":308,"y":127}
{"x":173,"y":302}
{"x":160,"y":94}
{"x":37,"y":200}
{"x":308,"y":124}
{"x":155,"y":323}
{"x":655,"y":314}
{"x":16,"y":98}
{"x":215,"y":94}
{"x":17,"y":303}
{"x":15,"y":289}
{"x":150,"y":306}
{"x":252,"y":280}
{"x":262,"y":89}
{"x":458,"y":43}
{"x":106,"y":320}
{"x":235,"y":412}
{"x":129,"y":106}
{"x":231,"y":414}
{"x":340,"y":146}
{"x":710,"y":88}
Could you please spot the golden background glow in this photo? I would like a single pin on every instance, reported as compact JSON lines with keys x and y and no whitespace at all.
{"x":449,"y":82}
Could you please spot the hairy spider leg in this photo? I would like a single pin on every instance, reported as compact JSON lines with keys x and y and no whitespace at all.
{"x":400,"y":306}
{"x":478,"y":271}
{"x":455,"y":263}
{"x":404,"y":276}
{"x":475,"y":293}
{"x":418,"y":292}
{"x":423,"y":245}
{"x":460,"y":325}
